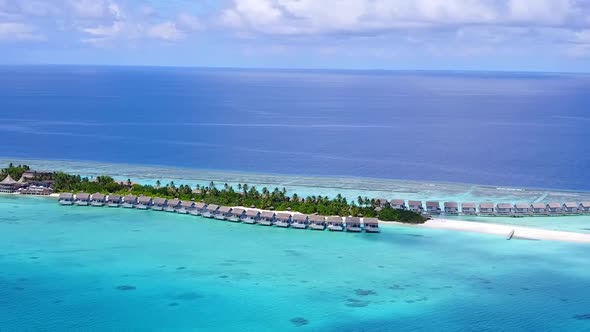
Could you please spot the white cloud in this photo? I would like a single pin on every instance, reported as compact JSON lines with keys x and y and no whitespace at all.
{"x":12,"y":31}
{"x":105,"y":31}
{"x":166,"y":31}
{"x":188,"y":21}
{"x":95,"y":9}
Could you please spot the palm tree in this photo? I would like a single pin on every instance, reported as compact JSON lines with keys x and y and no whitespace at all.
{"x":158,"y":183}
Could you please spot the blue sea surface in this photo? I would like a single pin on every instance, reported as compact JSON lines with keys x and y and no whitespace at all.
{"x":98,"y":269}
{"x":513,"y":129}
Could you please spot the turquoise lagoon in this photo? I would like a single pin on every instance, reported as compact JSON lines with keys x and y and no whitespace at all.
{"x":96,"y":269}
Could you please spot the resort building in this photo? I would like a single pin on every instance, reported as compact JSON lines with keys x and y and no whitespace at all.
{"x":300,"y":221}
{"x":570,"y":207}
{"x":381,"y":202}
{"x":335,"y":223}
{"x":236,"y":215}
{"x":185,"y":207}
{"x":398,"y":204}
{"x":353,"y":224}
{"x":584,"y":207}
{"x":222,"y":213}
{"x":283,"y":220}
{"x":251,"y":217}
{"x":469,"y":208}
{"x":143,"y":202}
{"x":317,"y":222}
{"x":504,"y":209}
{"x":539,"y":208}
{"x":82,"y":199}
{"x":172,"y":205}
{"x":451,"y":208}
{"x":554,"y":208}
{"x":371,"y":225}
{"x":199,"y":209}
{"x":486,"y":208}
{"x":97,"y":200}
{"x":415,"y":206}
{"x":159,"y":204}
{"x":129,"y":201}
{"x":433,"y":207}
{"x":521,"y":209}
{"x":210,"y":210}
{"x":9,"y":185}
{"x":66,"y":199}
{"x":32,"y":189}
{"x":266,"y":218}
{"x":113,"y":200}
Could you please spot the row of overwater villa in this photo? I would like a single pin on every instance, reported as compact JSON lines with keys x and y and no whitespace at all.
{"x":213,"y":211}
{"x":490,"y":209}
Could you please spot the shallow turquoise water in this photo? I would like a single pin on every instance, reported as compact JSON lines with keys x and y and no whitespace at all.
{"x":64,"y":268}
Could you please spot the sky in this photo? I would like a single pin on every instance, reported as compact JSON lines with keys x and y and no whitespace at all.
{"x":514,"y":35}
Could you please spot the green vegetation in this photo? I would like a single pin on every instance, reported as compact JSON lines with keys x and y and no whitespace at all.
{"x":15,"y":172}
{"x":243,"y":195}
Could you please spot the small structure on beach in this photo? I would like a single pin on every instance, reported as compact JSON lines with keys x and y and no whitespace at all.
{"x":584,"y":207}
{"x":451,"y":208}
{"x":66,"y":199}
{"x":486,"y":208}
{"x":97,"y":200}
{"x":415,"y":206}
{"x":335,"y":223}
{"x":236,"y":215}
{"x":570,"y":207}
{"x":251,"y":217}
{"x":554,"y":208}
{"x":522,"y":209}
{"x":82,"y":199}
{"x":222,"y":213}
{"x":266,"y":218}
{"x":300,"y":221}
{"x":539,"y":208}
{"x":143,"y":202}
{"x":129,"y":201}
{"x":371,"y":225}
{"x":283,"y":220}
{"x":504,"y":209}
{"x":398,"y":204}
{"x":353,"y":224}
{"x":317,"y":222}
{"x":433,"y":207}
{"x":159,"y":204}
{"x":172,"y":205}
{"x":469,"y":208}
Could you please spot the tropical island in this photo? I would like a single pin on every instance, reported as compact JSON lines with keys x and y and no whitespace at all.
{"x":244,"y":195}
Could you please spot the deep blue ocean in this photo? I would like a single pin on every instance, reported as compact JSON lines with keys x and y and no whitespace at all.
{"x":488,"y":128}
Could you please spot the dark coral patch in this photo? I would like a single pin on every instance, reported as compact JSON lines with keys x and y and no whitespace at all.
{"x":365,"y":292}
{"x":356,"y":303}
{"x":126,"y":287}
{"x":224,"y":276}
{"x":582,"y":317}
{"x":173,"y":304}
{"x":181,"y":268}
{"x":299,"y":321}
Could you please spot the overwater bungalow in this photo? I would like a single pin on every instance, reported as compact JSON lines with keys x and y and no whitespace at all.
{"x":113,"y":200}
{"x":210,"y":210}
{"x":300,"y":221}
{"x":415,"y":206}
{"x":222,"y":213}
{"x":469,"y":208}
{"x":283,"y":220}
{"x":66,"y":199}
{"x":539,"y":208}
{"x":433,"y":207}
{"x":486,"y":208}
{"x":185,"y":207}
{"x":371,"y":225}
{"x":584,"y":207}
{"x":335,"y":223}
{"x":317,"y":222}
{"x":97,"y":200}
{"x":504,"y":209}
{"x":159,"y":204}
{"x":199,"y":209}
{"x":266,"y":218}
{"x":143,"y":202}
{"x":251,"y":217}
{"x":129,"y":201}
{"x":172,"y":205}
{"x":570,"y":207}
{"x":554,"y":208}
{"x":353,"y":224}
{"x":236,"y":215}
{"x":82,"y":199}
{"x":451,"y":208}
{"x":522,"y":209}
{"x":398,"y":204}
